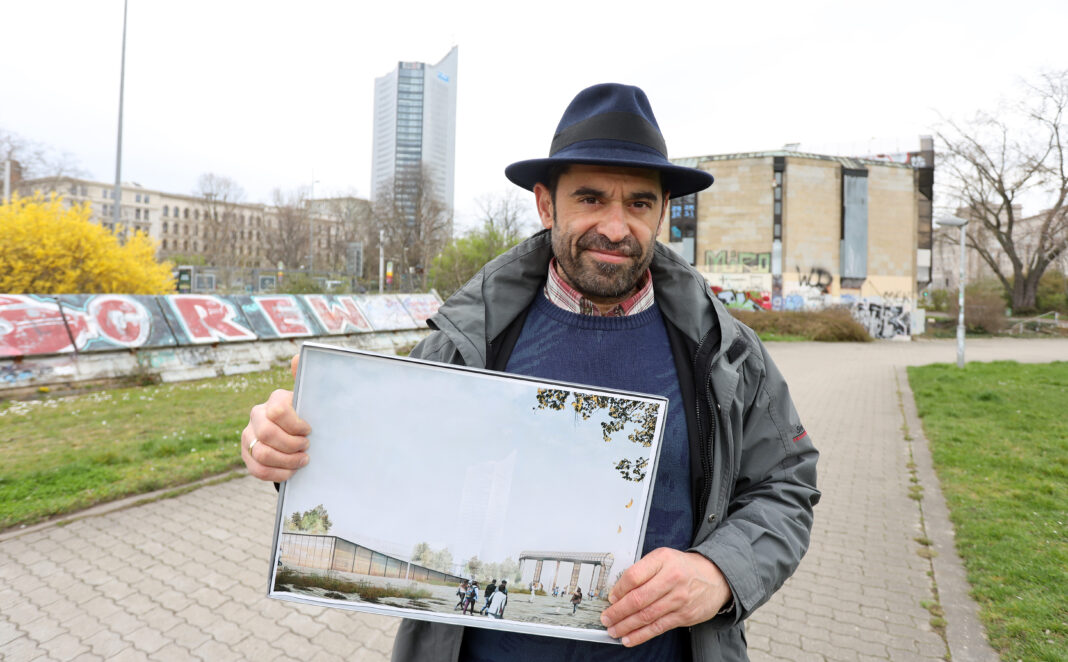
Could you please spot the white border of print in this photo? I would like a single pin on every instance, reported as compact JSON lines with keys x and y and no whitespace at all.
{"x":347,"y":367}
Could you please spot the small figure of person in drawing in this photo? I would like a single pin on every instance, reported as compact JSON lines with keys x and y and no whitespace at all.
{"x":576,"y":598}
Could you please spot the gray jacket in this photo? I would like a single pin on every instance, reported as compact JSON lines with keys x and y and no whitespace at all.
{"x":753,"y":467}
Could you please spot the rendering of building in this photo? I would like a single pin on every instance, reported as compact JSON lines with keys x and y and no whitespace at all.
{"x":415,"y":131}
{"x":788,"y":230}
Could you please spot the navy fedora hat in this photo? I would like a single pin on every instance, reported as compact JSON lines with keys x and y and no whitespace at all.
{"x":612,"y":125}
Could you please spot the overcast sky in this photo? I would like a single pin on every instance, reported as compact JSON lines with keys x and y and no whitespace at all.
{"x":280,"y":94}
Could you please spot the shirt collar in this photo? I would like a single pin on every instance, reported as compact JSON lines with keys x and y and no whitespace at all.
{"x":563,"y":295}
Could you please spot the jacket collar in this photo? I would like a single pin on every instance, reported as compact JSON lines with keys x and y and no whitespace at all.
{"x":512,"y":281}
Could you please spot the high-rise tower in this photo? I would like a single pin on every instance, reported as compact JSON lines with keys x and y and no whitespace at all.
{"x":415,"y":131}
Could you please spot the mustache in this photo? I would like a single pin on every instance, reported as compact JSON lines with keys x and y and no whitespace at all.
{"x":628,"y":246}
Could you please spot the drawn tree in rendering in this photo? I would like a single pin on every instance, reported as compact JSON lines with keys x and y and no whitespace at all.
{"x":315,"y":520}
{"x":621,"y":411}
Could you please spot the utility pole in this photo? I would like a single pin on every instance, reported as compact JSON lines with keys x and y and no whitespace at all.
{"x":117,"y":195}
{"x":381,"y":261}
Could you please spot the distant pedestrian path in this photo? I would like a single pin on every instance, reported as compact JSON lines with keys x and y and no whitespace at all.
{"x":186,"y":577}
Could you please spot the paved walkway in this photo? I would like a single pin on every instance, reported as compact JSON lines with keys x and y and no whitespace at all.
{"x":184,"y":578}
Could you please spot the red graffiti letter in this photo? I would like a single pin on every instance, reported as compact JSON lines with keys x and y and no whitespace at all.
{"x":208,"y":319}
{"x":122,"y":320}
{"x":284,"y":315}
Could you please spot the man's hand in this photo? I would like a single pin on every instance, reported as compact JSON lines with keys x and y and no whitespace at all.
{"x":666,"y":589}
{"x":281,"y":437}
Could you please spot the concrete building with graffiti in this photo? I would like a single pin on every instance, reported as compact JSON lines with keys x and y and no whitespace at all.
{"x":787,"y":230}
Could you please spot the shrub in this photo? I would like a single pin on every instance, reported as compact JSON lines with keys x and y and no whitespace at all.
{"x":1052,"y":292}
{"x":937,"y":300}
{"x":984,"y":308}
{"x":829,"y":325}
{"x":298,"y":283}
{"x":51,"y":249}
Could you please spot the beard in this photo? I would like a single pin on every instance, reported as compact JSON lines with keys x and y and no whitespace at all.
{"x":595,"y":279}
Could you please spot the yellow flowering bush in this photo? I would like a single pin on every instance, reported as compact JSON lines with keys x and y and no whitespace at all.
{"x":48,"y":248}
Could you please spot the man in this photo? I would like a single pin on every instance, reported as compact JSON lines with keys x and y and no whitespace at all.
{"x":498,"y":601}
{"x":595,"y":300}
{"x":489,"y":595}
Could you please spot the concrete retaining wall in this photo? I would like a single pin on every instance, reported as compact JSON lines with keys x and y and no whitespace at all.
{"x":77,"y":339}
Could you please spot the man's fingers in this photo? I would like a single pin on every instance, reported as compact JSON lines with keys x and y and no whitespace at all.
{"x":668,"y":620}
{"x":639,"y":606}
{"x":266,"y":463}
{"x":293,"y":365}
{"x":654,"y":617}
{"x":636,"y":575}
{"x":279,"y":410}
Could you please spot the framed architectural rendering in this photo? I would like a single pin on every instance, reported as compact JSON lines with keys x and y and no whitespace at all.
{"x":463,"y":496}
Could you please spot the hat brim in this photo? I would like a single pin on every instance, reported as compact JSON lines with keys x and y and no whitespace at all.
{"x":677,"y":180}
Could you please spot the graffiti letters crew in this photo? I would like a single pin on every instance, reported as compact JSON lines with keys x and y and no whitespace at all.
{"x":594,"y":299}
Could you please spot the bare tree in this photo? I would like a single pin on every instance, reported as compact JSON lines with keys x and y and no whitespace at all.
{"x":349,"y":219}
{"x":504,"y":220}
{"x":285,"y":236}
{"x":996,"y":162}
{"x":36,"y":160}
{"x":416,"y":223}
{"x":221,"y":198}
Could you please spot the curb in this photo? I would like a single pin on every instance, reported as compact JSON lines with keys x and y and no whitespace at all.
{"x":965,"y":635}
{"x":122,"y":504}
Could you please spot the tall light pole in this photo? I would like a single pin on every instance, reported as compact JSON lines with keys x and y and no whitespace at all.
{"x":117,"y":195}
{"x":954,"y":222}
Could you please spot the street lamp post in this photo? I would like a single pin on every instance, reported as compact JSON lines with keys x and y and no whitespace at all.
{"x":116,"y":208}
{"x":954,"y":222}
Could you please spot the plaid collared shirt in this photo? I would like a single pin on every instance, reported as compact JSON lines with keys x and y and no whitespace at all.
{"x":563,"y":295}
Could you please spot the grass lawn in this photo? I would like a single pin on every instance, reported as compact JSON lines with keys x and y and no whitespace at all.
{"x":63,"y":454}
{"x":999,"y":437}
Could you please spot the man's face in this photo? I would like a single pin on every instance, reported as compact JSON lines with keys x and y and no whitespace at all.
{"x":604,"y":223}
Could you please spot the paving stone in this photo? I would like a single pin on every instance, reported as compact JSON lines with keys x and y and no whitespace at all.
{"x":175,"y":653}
{"x":160,"y":619}
{"x":42,"y":629}
{"x":106,"y":643}
{"x":131,"y":654}
{"x":187,"y":636}
{"x":226,"y":632}
{"x":123,"y":622}
{"x":146,"y":639}
{"x":22,"y":648}
{"x":213,"y":651}
{"x":64,"y":647}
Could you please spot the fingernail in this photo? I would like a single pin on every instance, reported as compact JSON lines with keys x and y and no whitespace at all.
{"x":626,"y":641}
{"x":304,"y":462}
{"x":612,"y":632}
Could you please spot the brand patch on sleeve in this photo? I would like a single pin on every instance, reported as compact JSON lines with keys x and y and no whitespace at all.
{"x":799,"y":433}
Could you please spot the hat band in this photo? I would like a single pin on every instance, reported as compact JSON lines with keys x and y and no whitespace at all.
{"x":611,"y":126}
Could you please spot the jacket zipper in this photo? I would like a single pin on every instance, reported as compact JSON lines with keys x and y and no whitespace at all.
{"x":706,"y":448}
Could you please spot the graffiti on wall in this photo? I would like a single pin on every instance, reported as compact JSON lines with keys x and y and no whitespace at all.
{"x":743,"y":300}
{"x":816,"y":277}
{"x":727,"y":261}
{"x":883,"y":318}
{"x":34,"y":324}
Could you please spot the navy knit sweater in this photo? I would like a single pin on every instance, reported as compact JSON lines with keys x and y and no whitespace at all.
{"x":630,"y":353}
